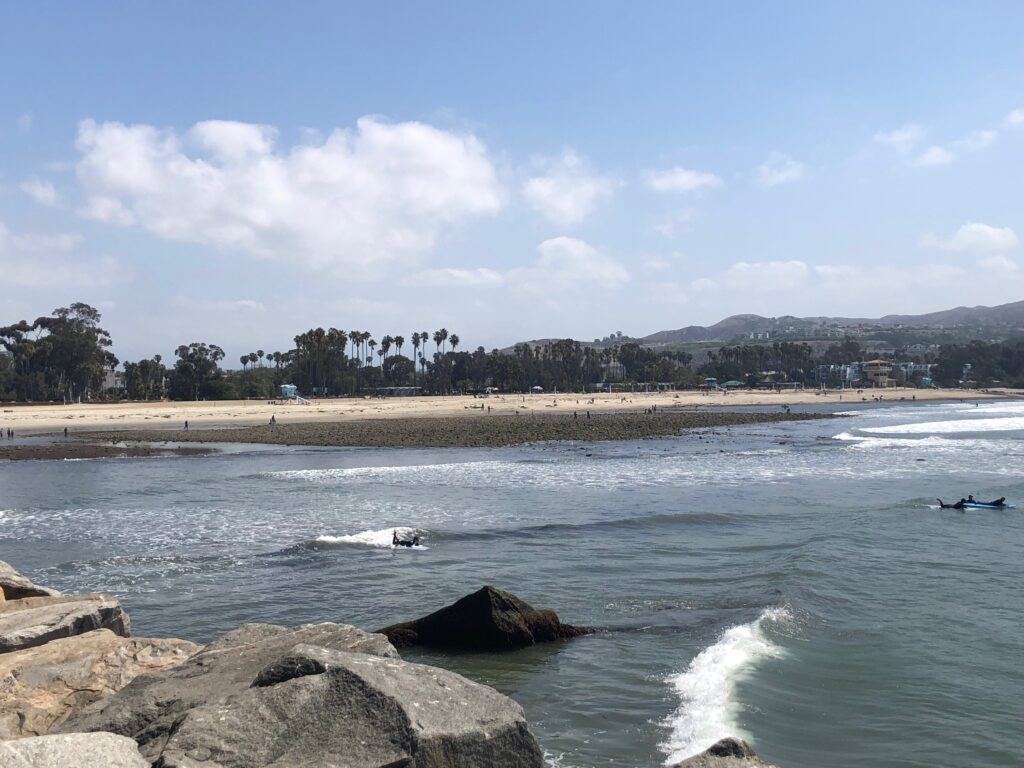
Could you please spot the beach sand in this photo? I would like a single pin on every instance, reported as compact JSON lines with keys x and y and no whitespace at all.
{"x":28,"y":420}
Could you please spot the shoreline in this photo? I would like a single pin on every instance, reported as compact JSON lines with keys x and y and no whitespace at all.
{"x":33,"y":420}
{"x":481,"y":431}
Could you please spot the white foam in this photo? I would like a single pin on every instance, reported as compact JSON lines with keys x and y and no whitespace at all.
{"x":1003,"y":424}
{"x":709,"y":710}
{"x":381,"y":538}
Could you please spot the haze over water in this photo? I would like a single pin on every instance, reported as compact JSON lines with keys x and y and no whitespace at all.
{"x":794,"y":584}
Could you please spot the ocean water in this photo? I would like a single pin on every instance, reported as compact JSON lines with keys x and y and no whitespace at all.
{"x":793,"y":584}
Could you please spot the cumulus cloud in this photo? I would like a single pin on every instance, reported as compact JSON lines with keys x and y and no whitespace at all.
{"x":675,"y":222}
{"x":47,"y":260}
{"x":976,"y":140}
{"x":903,"y":139}
{"x":679,"y":179}
{"x":43,"y":192}
{"x":377,"y":194}
{"x":1014,"y":119}
{"x":569,"y":191}
{"x":456,"y":277}
{"x":934,"y":155}
{"x":974,"y":237}
{"x":779,"y":169}
{"x":801,"y":288}
{"x":563,"y":263}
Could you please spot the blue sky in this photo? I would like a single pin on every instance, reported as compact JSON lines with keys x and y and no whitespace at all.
{"x":238,"y":172}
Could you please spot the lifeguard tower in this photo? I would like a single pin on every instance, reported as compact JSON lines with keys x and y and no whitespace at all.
{"x":290,"y":394}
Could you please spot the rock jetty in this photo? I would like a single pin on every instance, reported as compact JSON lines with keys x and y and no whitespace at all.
{"x":77,"y":690}
{"x":487,"y":620}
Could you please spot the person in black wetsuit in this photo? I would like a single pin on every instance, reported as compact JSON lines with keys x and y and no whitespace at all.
{"x":957,"y":505}
{"x":1000,"y":502}
{"x":397,"y":542}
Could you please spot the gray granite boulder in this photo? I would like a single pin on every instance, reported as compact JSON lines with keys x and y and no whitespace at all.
{"x":33,"y":621}
{"x":41,"y":687}
{"x":727,"y":753}
{"x":72,"y":750}
{"x":316,"y":695}
{"x":14,"y":586}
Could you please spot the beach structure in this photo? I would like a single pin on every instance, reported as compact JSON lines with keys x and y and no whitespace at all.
{"x":290,"y":394}
{"x":876,"y":372}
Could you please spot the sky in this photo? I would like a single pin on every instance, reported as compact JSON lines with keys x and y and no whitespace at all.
{"x":238,"y":172}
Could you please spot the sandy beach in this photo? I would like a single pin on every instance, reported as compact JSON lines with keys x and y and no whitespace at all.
{"x":27,"y":420}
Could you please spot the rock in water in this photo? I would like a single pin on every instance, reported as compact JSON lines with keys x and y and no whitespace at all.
{"x":41,"y":687}
{"x":727,"y":753}
{"x":33,"y":621}
{"x":72,"y":750}
{"x":487,"y":620}
{"x":14,"y":586}
{"x":322,"y":694}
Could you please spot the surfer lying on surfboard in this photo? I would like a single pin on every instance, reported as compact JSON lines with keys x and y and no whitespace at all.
{"x":970,"y":503}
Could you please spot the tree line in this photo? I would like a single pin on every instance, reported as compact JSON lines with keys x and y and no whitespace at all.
{"x":66,"y":356}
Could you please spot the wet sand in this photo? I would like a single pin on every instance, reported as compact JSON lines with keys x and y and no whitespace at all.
{"x":469,"y":431}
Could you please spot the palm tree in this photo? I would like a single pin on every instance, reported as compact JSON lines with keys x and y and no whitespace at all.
{"x":399,"y":341}
{"x":454,"y":341}
{"x":244,"y":359}
{"x":259,"y":354}
{"x":438,"y":338}
{"x":385,"y":345}
{"x":424,"y":338}
{"x":444,"y":338}
{"x":372,"y":344}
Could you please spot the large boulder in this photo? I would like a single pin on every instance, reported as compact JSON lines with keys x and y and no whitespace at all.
{"x":72,"y":750}
{"x":41,"y":687}
{"x":487,"y":620}
{"x":33,"y":621}
{"x":316,"y":695}
{"x":727,"y":753}
{"x":14,"y":586}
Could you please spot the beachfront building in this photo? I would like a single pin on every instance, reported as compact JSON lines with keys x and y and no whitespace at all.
{"x":876,"y":372}
{"x":289,"y":391}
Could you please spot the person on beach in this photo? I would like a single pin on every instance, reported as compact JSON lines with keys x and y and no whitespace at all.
{"x":186,"y":423}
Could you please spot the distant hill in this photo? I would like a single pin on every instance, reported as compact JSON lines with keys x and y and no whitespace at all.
{"x":1000,"y":321}
{"x":1004,"y":316}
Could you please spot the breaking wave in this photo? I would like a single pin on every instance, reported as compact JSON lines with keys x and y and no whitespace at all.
{"x":709,"y":710}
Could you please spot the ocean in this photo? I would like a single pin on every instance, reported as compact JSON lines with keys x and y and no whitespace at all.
{"x":794,"y":584}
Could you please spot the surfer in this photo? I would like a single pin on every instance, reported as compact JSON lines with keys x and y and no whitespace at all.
{"x":957,"y":505}
{"x":397,"y":542}
{"x":1000,"y":502}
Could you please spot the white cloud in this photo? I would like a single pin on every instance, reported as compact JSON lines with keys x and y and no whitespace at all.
{"x":903,"y":140}
{"x":999,"y":263}
{"x":456,"y":277}
{"x":779,"y":169}
{"x":43,"y":192}
{"x":569,"y":191}
{"x":47,"y":261}
{"x":976,"y":140}
{"x":675,"y":223}
{"x":378,"y":194}
{"x":681,"y":179}
{"x":974,"y":237}
{"x":564,"y":263}
{"x":1014,"y":119}
{"x":934,"y":155}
